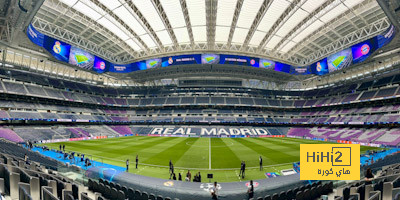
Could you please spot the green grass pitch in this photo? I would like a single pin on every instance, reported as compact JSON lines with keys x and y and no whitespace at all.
{"x":195,"y":153}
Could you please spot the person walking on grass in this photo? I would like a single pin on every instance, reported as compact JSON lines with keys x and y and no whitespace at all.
{"x":127,"y":165}
{"x":261,"y":164}
{"x":137,"y":160}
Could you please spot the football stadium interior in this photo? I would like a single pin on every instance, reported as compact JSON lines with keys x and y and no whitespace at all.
{"x":199,"y":99}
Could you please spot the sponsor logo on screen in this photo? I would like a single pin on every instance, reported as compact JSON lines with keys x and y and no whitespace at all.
{"x":102,"y":65}
{"x":57,"y":47}
{"x":365,"y":49}
{"x":319,"y":66}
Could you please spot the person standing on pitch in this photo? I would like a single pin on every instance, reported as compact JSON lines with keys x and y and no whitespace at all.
{"x":170,"y":166}
{"x":241,"y":169}
{"x":127,"y":165}
{"x":261,"y":164}
{"x":137,"y":160}
{"x":188,"y":176}
{"x":171,"y":171}
{"x":244,"y":169}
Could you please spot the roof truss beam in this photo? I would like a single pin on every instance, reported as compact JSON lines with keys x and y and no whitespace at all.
{"x":59,"y":8}
{"x":187,"y":20}
{"x":211,"y":15}
{"x":165,"y":20}
{"x":260,"y":14}
{"x":310,"y":19}
{"x":72,"y":38}
{"x":353,"y":38}
{"x":146,"y":24}
{"x":234,"y":20}
{"x":327,"y":27}
{"x":122,"y":23}
{"x":293,"y":7}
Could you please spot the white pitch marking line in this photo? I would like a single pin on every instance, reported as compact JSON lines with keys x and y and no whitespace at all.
{"x":140,"y":169}
{"x":209,"y":153}
{"x":238,"y":176}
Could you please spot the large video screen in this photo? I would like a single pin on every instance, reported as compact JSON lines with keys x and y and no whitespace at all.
{"x":100,"y":65}
{"x":60,"y":50}
{"x":181,"y":60}
{"x":340,"y":60}
{"x":386,"y":37}
{"x":320,"y":67}
{"x":282,"y":67}
{"x":300,"y":70}
{"x":362,"y":51}
{"x":116,"y":68}
{"x":267,"y":64}
{"x":238,"y":60}
{"x":153,"y":63}
{"x":209,"y":58}
{"x":35,"y":36}
{"x":81,"y":58}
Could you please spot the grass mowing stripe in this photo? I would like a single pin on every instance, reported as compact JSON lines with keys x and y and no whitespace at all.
{"x":132,"y":149}
{"x":268,"y":151}
{"x":97,"y":144}
{"x":222,"y":156}
{"x":244,"y":153}
{"x":113,"y":151}
{"x":174,"y":153}
{"x":146,"y":153}
{"x":292,"y":147}
{"x":196,"y":156}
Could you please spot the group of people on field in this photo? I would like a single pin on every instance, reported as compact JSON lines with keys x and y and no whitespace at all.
{"x":127,"y":163}
{"x":188,"y":178}
{"x":243,"y":167}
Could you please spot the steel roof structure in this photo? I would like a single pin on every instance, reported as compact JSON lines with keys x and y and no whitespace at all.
{"x":296,"y":32}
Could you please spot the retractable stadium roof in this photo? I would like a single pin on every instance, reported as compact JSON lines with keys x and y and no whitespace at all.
{"x":296,"y":32}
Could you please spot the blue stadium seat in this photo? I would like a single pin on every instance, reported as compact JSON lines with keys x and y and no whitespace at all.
{"x":152,"y":197}
{"x":137,"y":194}
{"x":159,"y":197}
